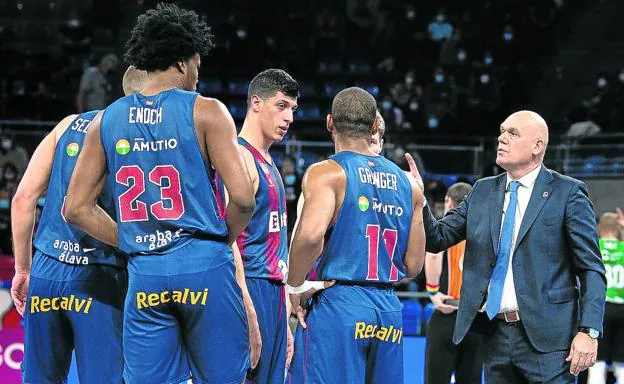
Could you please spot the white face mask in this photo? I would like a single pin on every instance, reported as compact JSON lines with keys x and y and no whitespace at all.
{"x":602,"y":82}
{"x":461,"y":56}
{"x":7,"y":143}
{"x":621,"y":77}
{"x":485,"y":79}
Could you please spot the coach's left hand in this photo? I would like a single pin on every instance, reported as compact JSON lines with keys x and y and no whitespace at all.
{"x":583,"y":353}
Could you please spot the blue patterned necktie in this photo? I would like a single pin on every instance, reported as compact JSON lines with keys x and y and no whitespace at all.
{"x":492,"y":307}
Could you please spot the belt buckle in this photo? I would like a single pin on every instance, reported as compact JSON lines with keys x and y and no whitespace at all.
{"x":508,"y":320}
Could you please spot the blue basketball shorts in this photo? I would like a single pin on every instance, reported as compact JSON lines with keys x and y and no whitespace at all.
{"x":354,"y":335}
{"x":70,"y":308}
{"x":184,"y":318}
{"x":269,"y":301}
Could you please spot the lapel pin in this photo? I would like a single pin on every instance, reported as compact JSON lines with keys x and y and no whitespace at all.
{"x":545,"y":195}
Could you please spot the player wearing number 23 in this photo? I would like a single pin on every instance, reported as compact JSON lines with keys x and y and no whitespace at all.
{"x":370,"y":215}
{"x":154,"y":150}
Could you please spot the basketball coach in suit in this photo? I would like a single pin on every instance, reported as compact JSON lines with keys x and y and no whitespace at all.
{"x":534,"y":282}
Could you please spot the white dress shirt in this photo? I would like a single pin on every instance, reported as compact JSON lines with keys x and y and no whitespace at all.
{"x":509,"y":301}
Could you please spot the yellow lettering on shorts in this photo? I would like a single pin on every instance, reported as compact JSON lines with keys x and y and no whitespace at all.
{"x":205,"y":296}
{"x":152,"y":299}
{"x":55,"y":304}
{"x":34,"y":304}
{"x":359,"y":330}
{"x":164,"y":297}
{"x":45,"y":304}
{"x":140,"y":299}
{"x":88,"y":305}
{"x":177,"y":296}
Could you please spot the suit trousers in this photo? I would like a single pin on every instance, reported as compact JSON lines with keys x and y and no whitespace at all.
{"x":442,"y":356}
{"x":510,"y":358}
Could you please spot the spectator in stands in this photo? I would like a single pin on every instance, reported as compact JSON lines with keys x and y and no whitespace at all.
{"x":443,"y":274}
{"x":602,"y":102}
{"x":440,"y":29}
{"x":95,"y":90}
{"x":13,"y":153}
{"x":581,"y":126}
{"x":9,"y":180}
{"x":439,"y":96}
{"x":450,"y":48}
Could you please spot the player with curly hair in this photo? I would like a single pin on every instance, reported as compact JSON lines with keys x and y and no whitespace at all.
{"x":184,"y":313}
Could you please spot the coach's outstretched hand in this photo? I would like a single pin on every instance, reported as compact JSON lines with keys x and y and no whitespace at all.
{"x":298,"y":300}
{"x":19,"y":290}
{"x":414,"y":170}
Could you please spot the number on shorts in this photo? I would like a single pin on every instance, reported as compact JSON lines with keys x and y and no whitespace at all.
{"x":390,"y":237}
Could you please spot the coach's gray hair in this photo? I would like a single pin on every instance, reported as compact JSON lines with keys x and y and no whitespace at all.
{"x":354,"y":111}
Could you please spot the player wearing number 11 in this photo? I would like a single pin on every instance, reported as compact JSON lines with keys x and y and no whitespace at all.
{"x":370,"y":214}
{"x":154,"y":150}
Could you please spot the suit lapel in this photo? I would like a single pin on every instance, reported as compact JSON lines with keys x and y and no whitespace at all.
{"x":541,"y":191}
{"x":496,"y":210}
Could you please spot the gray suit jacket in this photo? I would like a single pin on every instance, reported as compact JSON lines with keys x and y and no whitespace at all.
{"x":558,"y":272}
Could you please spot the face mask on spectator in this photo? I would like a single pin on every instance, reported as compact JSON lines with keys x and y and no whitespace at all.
{"x":241,"y":33}
{"x":621,"y":77}
{"x":439,"y":78}
{"x":461,"y":56}
{"x":290,"y":179}
{"x":9,"y":176}
{"x":485,"y":78}
{"x":7,"y":144}
{"x":386,"y":105}
{"x":507,"y":36}
{"x":602,"y":82}
{"x":488,"y":60}
{"x":413,"y":106}
{"x":409,"y":80}
{"x":440,"y":18}
{"x":410,"y":14}
{"x":433,"y":122}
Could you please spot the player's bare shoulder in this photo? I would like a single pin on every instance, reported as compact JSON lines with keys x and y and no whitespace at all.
{"x":326,"y":172}
{"x":209,"y":112}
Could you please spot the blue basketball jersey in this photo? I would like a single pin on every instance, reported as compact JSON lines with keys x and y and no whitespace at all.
{"x":162,"y":185}
{"x":55,"y":237}
{"x":264,"y":243}
{"x":369,"y":239}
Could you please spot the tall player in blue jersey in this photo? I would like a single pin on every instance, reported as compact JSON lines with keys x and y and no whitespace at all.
{"x":184,"y":313}
{"x":71,"y":292}
{"x":370,"y":213}
{"x":271,"y":104}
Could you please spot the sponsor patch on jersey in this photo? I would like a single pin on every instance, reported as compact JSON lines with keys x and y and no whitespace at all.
{"x":72,"y":149}
{"x":363,"y":204}
{"x":122,"y":146}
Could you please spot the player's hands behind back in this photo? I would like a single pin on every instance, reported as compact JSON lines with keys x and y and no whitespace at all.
{"x":19,"y":290}
{"x":298,"y":301}
{"x":255,"y":340}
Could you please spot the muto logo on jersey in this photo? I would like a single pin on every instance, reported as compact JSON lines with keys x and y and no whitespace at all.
{"x":387,"y":209}
{"x":122,"y":146}
{"x":363,"y":204}
{"x":72,"y":149}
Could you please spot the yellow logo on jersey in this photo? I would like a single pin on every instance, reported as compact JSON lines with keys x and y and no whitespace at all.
{"x":144,"y":300}
{"x":61,"y":303}
{"x":369,"y":331}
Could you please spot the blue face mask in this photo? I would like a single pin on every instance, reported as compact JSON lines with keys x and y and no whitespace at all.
{"x":386,"y":105}
{"x":4,"y":204}
{"x":488,"y":60}
{"x":290,"y":179}
{"x":439,"y":78}
{"x":507,"y":36}
{"x":433,"y":122}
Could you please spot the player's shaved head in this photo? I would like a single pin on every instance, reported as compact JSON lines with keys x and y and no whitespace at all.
{"x":354,"y":112}
{"x":133,"y":80}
